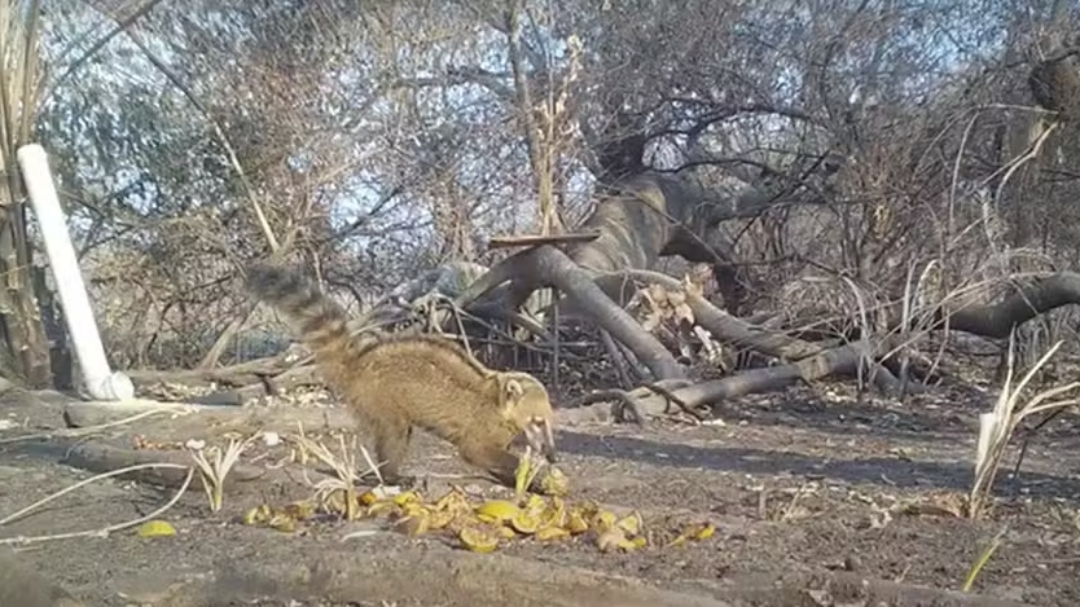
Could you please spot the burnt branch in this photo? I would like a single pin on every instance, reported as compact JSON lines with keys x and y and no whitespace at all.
{"x":997,"y":320}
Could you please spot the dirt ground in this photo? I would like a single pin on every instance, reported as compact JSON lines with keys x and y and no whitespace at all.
{"x":805,"y":488}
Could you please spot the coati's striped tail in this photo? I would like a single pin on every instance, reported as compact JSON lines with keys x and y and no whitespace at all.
{"x":317,"y":320}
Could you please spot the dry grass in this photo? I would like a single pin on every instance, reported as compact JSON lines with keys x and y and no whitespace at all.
{"x":214,"y":466}
{"x":997,"y":427}
{"x":344,"y":465}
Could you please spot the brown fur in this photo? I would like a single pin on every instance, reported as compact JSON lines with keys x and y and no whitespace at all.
{"x":395,"y":383}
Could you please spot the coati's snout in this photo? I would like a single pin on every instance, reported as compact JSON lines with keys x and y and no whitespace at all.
{"x":541,"y":438}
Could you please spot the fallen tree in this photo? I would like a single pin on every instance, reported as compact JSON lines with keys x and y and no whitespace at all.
{"x":635,"y":223}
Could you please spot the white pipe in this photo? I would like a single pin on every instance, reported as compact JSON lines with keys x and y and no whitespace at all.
{"x":101,"y":383}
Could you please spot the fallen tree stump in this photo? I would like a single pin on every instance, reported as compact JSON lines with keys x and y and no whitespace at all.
{"x":239,"y":375}
{"x":90,"y":414}
{"x":805,"y":361}
{"x":723,"y":326}
{"x":997,"y":320}
{"x":304,"y":374}
{"x":200,"y":421}
{"x":844,"y":359}
{"x":100,"y":457}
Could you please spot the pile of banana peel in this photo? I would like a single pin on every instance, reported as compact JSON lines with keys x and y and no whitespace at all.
{"x":483,"y":527}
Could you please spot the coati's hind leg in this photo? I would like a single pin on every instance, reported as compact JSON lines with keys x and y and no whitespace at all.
{"x":499,"y":462}
{"x":391,"y":435}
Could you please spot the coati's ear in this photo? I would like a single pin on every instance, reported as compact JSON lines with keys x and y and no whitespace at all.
{"x":512,"y":389}
{"x":511,"y":394}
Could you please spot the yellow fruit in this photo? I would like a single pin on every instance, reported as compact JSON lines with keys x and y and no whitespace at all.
{"x":588,"y":509}
{"x":453,"y":501}
{"x":497,"y":511}
{"x":525,"y":523}
{"x":699,"y":531}
{"x":555,"y":514}
{"x":282,"y":522}
{"x":576,"y":523}
{"x":302,"y":510}
{"x":613,"y":539}
{"x":547,"y":534}
{"x":156,"y":529}
{"x":454,"y":525}
{"x":535,"y":504}
{"x":441,"y":518}
{"x":414,"y":509}
{"x":381,"y":508}
{"x":631,"y":524}
{"x":705,"y":532}
{"x":257,"y":515}
{"x":478,"y":539}
{"x":407,"y":497}
{"x":555,"y":482}
{"x":604,"y":520}
{"x":506,"y":532}
{"x":368,"y":498}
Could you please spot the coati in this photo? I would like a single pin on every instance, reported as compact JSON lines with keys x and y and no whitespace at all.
{"x":394,"y":383}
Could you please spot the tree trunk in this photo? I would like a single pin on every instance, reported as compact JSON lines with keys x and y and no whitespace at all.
{"x":27,"y":354}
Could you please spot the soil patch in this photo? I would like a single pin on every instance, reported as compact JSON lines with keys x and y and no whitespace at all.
{"x":807,"y":490}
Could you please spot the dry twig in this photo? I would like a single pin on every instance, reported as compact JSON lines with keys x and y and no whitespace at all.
{"x":103,"y":531}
